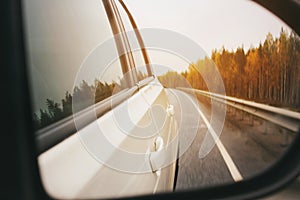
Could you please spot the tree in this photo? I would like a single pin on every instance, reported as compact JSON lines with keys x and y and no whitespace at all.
{"x":83,"y":96}
{"x":36,"y":121}
{"x":103,"y":90}
{"x":45,"y":118}
{"x":54,"y":110}
{"x":67,"y":104}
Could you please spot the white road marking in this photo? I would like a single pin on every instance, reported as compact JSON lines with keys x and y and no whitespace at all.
{"x":236,"y":175}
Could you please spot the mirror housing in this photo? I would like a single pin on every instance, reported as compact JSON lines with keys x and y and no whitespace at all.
{"x":20,"y":168}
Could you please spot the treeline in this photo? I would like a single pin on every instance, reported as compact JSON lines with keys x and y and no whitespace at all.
{"x":85,"y":95}
{"x":269,"y":73}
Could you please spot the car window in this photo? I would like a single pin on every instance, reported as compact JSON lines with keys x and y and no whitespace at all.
{"x":61,"y":37}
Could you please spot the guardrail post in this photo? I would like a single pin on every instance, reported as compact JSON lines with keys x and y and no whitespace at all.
{"x":242,"y":115}
{"x":265,"y":127}
{"x":286,"y":138}
{"x":233,"y":111}
{"x":251,"y":119}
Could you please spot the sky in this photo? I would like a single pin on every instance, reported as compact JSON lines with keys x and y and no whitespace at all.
{"x":61,"y":34}
{"x":210,"y":23}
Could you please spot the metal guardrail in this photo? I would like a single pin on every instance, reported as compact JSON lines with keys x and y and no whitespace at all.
{"x":53,"y":134}
{"x":285,"y":118}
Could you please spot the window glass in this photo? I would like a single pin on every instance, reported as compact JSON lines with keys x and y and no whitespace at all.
{"x":61,"y":37}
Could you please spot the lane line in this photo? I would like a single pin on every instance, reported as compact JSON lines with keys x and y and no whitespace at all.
{"x":235,"y":173}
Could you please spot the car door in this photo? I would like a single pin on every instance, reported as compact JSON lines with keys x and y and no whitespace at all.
{"x":102,"y":119}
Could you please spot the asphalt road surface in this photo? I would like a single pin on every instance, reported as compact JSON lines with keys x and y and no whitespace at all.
{"x":247,"y":146}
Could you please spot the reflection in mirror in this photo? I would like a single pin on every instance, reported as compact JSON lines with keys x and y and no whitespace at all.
{"x":58,"y":44}
{"x":262,"y":109}
{"x":222,"y":106}
{"x":258,"y":58}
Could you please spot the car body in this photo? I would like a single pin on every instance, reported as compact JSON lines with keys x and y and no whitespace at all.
{"x":132,"y":125}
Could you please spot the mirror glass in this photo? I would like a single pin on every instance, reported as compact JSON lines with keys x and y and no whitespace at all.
{"x":140,"y":97}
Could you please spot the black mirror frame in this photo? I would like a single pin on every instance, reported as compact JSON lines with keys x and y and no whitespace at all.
{"x":19,"y":167}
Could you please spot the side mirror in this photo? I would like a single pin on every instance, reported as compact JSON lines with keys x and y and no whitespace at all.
{"x":21,"y":168}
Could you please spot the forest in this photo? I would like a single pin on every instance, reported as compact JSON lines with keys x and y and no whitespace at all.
{"x":269,"y":73}
{"x":85,"y":95}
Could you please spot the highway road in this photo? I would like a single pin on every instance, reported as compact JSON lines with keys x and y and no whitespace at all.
{"x":246,"y":147}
